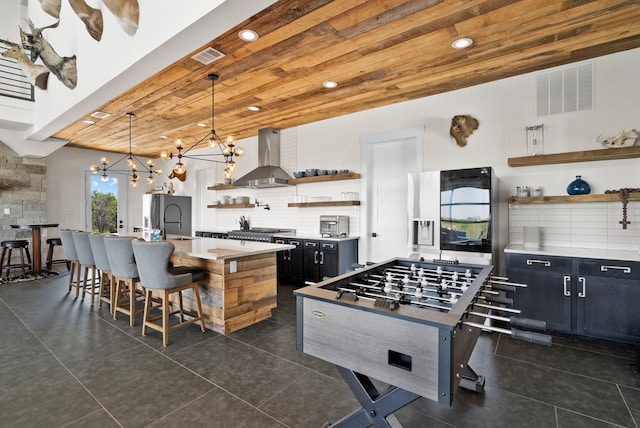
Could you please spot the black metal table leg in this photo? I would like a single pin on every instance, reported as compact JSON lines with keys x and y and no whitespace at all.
{"x":377,"y":409}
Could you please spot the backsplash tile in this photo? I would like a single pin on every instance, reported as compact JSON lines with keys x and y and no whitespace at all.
{"x":578,"y":225}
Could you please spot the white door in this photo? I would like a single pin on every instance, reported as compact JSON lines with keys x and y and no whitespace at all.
{"x":388,"y":158}
{"x":106,"y":203}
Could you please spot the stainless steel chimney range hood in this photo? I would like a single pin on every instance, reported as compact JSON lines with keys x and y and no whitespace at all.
{"x":268,"y":173}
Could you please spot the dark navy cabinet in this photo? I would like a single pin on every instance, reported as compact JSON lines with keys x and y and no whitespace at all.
{"x":324,"y":258}
{"x":290,"y":267}
{"x":594,"y":298}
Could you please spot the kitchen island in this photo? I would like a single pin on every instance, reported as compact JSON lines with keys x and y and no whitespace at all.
{"x":241,"y":285}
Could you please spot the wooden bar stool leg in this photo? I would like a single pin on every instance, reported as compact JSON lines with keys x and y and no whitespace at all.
{"x":196,"y":293}
{"x":147,"y":311}
{"x":24,"y":273}
{"x":165,"y":317}
{"x":4,"y":251}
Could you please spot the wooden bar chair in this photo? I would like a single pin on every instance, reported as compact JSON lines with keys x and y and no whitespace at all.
{"x":102,"y":263}
{"x":51,"y":244}
{"x":70,"y":253}
{"x":125,"y":276}
{"x":156,"y":276}
{"x":7,"y":248}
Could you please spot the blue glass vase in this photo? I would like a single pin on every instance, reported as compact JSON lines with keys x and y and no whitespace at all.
{"x":578,"y":187}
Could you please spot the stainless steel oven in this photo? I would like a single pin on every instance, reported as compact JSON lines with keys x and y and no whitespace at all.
{"x":334,"y":225}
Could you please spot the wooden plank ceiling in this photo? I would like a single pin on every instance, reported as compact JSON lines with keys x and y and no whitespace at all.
{"x":379,"y":51}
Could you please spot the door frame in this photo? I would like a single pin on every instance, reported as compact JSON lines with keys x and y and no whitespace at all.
{"x":367,"y":143}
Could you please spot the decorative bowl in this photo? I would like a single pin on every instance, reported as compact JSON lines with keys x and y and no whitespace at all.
{"x":343,"y":171}
{"x":332,"y":171}
{"x":322,"y":172}
{"x":298,"y":174}
{"x":311,"y":172}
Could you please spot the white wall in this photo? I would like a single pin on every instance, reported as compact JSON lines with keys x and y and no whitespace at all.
{"x":504,"y":109}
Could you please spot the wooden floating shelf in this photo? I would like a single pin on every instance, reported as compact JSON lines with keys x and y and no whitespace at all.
{"x":607,"y":197}
{"x":221,"y":187}
{"x":570,"y":157}
{"x":325,"y":204}
{"x":328,"y":177}
{"x":232,"y":206}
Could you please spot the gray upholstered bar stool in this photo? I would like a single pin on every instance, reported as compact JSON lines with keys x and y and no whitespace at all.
{"x":125,"y":276}
{"x":102,"y":263}
{"x":90,"y":275}
{"x":70,"y":253}
{"x":156,"y":276}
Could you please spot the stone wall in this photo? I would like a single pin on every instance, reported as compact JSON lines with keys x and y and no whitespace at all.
{"x":23,"y":193}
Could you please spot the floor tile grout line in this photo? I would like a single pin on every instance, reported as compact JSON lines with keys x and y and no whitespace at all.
{"x":278,"y":392}
{"x":562,"y":371}
{"x":62,"y":364}
{"x":635,"y":424}
{"x":556,"y":407}
{"x":281,"y":357}
{"x":226,"y":392}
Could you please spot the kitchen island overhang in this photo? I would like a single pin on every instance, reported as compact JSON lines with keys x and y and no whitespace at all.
{"x":240,"y":288}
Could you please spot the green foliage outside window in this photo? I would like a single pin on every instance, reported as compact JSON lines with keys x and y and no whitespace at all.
{"x":104,"y":212}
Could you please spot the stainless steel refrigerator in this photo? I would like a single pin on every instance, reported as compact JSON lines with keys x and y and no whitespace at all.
{"x":167,"y":213}
{"x":453,"y":215}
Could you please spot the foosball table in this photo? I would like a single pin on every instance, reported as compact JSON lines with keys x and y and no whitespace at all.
{"x":410,"y":324}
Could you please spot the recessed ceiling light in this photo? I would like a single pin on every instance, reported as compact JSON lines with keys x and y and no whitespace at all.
{"x":462,"y":43}
{"x":254,"y":108}
{"x":248,"y":35}
{"x":89,"y":122}
{"x":164,"y":137}
{"x":99,"y":114}
{"x":329,"y":84}
{"x":201,"y":124}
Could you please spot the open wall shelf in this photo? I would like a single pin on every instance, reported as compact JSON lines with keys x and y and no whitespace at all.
{"x":328,"y":177}
{"x":324,"y":204}
{"x":583,"y":156}
{"x":608,"y":197}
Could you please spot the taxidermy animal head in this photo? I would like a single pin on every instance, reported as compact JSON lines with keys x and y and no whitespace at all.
{"x":180,"y":177}
{"x":461,"y":127}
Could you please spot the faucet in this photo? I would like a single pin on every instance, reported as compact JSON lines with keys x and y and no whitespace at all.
{"x":179,"y":222}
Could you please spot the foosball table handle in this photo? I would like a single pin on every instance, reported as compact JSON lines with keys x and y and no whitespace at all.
{"x":528,"y":324}
{"x":531,"y":336}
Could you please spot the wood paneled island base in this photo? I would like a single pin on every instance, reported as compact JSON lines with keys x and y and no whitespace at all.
{"x":241,"y":285}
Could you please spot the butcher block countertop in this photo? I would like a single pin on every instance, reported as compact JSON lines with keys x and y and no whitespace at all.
{"x":586,"y":253}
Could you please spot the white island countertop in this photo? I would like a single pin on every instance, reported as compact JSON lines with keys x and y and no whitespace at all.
{"x":220,"y":249}
{"x":587,"y":253}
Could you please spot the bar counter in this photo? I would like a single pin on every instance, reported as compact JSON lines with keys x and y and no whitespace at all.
{"x":241,"y":285}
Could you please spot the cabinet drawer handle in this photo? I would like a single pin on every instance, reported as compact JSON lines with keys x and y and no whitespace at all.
{"x":294,"y":242}
{"x":566,"y":283}
{"x":624,"y":269}
{"x":315,"y":257}
{"x":327,"y":245}
{"x":583,"y":281}
{"x":543,"y":262}
{"x":279,"y":241}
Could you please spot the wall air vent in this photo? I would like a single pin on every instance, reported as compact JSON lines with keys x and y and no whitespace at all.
{"x":207,"y":56}
{"x":565,"y":91}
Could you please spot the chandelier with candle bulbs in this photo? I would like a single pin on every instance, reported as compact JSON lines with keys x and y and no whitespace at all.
{"x":105,"y":167}
{"x":228,"y":149}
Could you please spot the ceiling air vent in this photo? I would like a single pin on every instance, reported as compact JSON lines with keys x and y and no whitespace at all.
{"x":207,"y":56}
{"x":565,"y":91}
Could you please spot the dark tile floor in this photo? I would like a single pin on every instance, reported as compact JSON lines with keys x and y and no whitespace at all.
{"x":64,"y":363}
